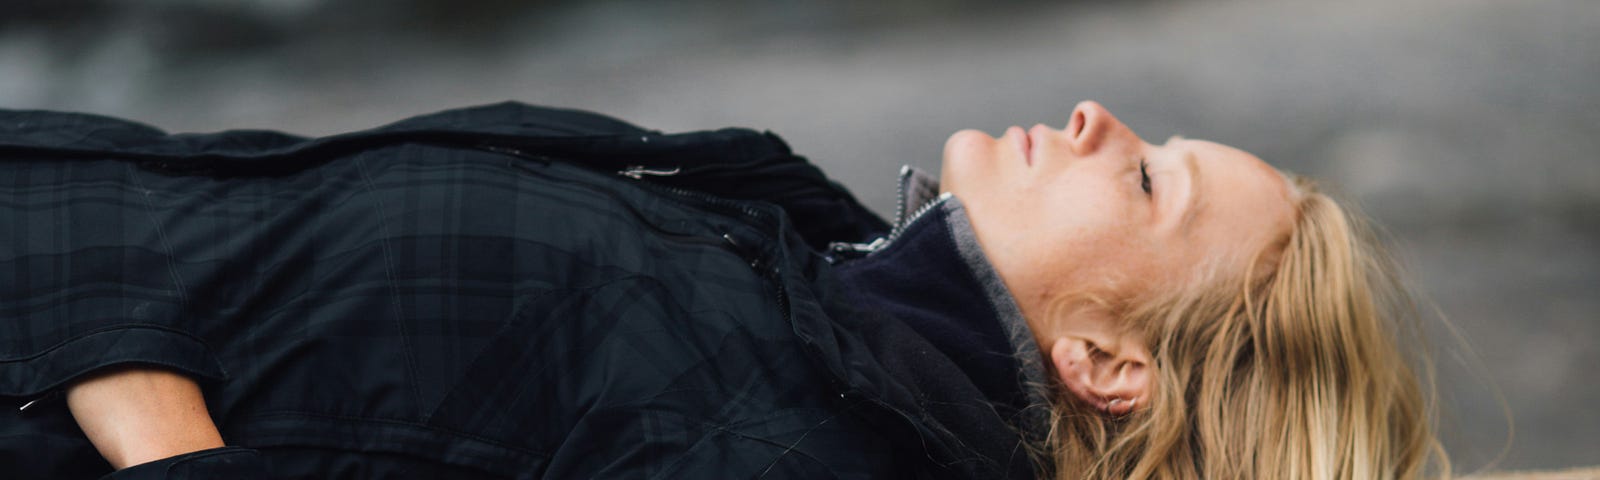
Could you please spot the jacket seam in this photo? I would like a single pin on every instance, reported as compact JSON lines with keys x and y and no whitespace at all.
{"x":108,"y":329}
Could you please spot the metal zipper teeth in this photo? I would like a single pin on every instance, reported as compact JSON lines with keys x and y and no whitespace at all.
{"x":894,"y":231}
{"x":901,"y":221}
{"x":900,"y":197}
{"x":928,"y":207}
{"x":881,"y":243}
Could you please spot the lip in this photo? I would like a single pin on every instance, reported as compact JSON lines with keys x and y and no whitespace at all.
{"x":1024,"y":143}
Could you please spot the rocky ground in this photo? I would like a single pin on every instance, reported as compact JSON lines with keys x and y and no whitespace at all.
{"x":1468,"y":128}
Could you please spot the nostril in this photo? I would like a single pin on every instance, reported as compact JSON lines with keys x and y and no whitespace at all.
{"x":1075,"y":126}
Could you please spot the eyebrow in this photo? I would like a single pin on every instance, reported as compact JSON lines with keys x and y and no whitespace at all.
{"x":1193,"y":203}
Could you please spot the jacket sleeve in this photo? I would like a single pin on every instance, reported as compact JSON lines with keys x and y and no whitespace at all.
{"x":224,"y":462}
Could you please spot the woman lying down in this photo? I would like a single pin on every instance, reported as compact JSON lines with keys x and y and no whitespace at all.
{"x":511,"y":291}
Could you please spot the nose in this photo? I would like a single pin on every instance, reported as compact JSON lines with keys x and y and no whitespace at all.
{"x":1092,"y":128}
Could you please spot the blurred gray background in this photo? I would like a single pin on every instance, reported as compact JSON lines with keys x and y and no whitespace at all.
{"x":1468,"y":128}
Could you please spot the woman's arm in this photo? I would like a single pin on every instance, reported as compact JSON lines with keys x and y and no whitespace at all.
{"x":139,"y":414}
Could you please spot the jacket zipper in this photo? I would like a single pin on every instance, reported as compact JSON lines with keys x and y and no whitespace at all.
{"x":928,"y":207}
{"x":774,"y":274}
{"x":900,"y":197}
{"x":901,"y":220}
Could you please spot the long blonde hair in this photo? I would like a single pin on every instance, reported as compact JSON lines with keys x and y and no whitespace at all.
{"x":1291,"y":370}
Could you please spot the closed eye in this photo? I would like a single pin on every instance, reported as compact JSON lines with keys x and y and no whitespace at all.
{"x":1144,"y":176}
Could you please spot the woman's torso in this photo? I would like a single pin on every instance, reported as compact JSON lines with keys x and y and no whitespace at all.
{"x":426,"y":308}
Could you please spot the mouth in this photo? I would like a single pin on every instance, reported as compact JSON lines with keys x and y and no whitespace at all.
{"x":1024,"y":143}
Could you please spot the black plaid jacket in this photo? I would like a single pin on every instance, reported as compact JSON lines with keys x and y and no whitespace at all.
{"x":500,"y":291}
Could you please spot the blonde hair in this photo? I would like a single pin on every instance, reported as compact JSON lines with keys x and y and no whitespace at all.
{"x":1291,"y":370}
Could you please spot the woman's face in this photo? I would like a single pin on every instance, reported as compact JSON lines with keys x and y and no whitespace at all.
{"x":1093,"y":208}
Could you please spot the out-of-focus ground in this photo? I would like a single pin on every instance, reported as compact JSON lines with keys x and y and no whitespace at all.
{"x":1469,"y":128}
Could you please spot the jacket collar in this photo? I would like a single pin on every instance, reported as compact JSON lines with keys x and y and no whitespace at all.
{"x":932,"y":257}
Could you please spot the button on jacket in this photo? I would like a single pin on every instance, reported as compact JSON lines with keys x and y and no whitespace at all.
{"x":494,"y":292}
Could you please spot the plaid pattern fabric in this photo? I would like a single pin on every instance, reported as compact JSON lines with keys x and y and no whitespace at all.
{"x":374,"y":306}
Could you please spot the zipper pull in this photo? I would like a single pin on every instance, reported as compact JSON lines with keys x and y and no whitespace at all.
{"x":515,"y":153}
{"x":36,"y":401}
{"x":869,"y":247}
{"x":753,"y":257}
{"x":639,"y":171}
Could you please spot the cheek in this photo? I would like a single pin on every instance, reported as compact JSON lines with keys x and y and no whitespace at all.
{"x":1089,"y":241}
{"x":1083,"y":202}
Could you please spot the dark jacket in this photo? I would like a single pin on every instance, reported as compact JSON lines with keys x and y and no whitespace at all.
{"x":500,"y":291}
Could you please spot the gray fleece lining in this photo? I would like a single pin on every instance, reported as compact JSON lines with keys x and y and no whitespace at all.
{"x":1025,"y":347}
{"x":924,"y":188}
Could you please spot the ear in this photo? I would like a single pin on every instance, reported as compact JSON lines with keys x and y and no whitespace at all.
{"x":1110,"y":374}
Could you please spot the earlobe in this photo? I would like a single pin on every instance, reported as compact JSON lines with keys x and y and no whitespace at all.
{"x":1112,"y":377}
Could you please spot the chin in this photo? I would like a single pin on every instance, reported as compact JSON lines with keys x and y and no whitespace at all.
{"x":967,"y":154}
{"x":968,"y":139}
